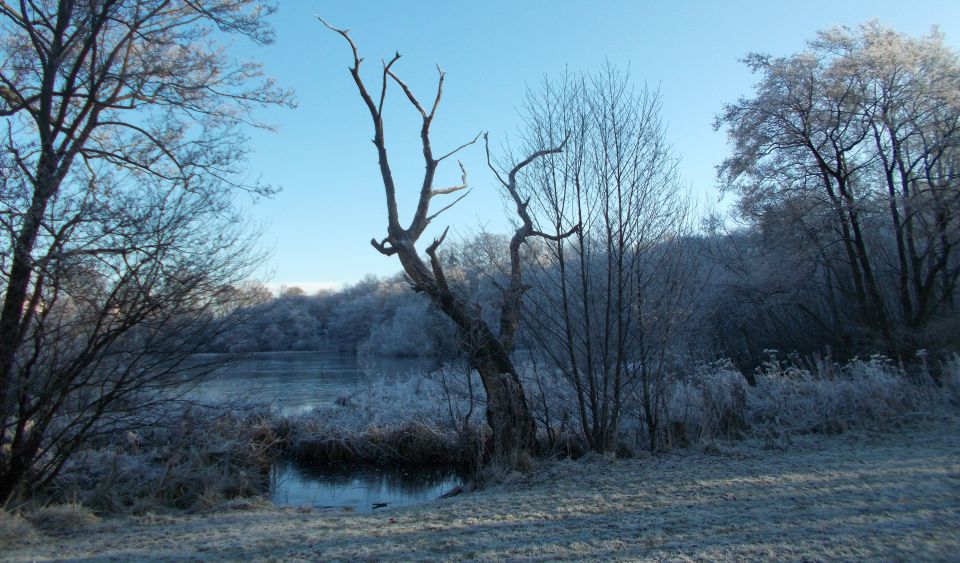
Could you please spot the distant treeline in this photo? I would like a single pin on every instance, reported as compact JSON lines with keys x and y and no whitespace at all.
{"x":745,"y":293}
{"x":380,"y":315}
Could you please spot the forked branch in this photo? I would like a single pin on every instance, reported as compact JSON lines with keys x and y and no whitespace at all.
{"x":394,"y":230}
{"x":399,"y":238}
{"x":510,"y":184}
{"x":513,"y":293}
{"x":435,"y":264}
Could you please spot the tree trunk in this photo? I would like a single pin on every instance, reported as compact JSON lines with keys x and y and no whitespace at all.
{"x":514,"y":430}
{"x":12,"y":313}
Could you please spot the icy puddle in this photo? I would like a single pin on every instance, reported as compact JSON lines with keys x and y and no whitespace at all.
{"x":358,"y":488}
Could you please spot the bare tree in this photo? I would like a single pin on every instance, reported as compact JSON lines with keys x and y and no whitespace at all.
{"x":599,"y":302}
{"x":508,"y":414}
{"x":122,"y":138}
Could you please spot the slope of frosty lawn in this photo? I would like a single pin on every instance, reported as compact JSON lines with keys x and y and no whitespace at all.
{"x":893,"y":495}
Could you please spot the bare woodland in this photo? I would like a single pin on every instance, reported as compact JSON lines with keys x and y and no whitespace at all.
{"x":618,"y":315}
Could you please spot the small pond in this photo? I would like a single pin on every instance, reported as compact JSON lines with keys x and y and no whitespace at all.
{"x":358,"y":488}
{"x":297,"y":381}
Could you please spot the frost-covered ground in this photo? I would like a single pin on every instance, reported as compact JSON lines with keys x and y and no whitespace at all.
{"x":891,"y":496}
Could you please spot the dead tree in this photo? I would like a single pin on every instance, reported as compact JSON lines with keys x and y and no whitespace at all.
{"x":514,"y":430}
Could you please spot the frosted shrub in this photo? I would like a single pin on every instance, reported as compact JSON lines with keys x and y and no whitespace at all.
{"x":796,"y":396}
{"x":791,"y":398}
{"x":61,"y":518}
{"x":711,"y":404}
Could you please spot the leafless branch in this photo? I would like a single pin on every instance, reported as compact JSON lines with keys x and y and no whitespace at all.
{"x":461,"y":147}
{"x":557,"y":237}
{"x":446,"y":207}
{"x":383,"y":89}
{"x":382,"y":247}
{"x":452,"y":189}
{"x":436,"y":101}
{"x":541,"y":153}
{"x":435,"y":264}
{"x":345,"y":33}
{"x":410,"y":95}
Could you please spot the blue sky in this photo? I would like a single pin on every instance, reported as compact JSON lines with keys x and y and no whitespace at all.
{"x":319,"y":226}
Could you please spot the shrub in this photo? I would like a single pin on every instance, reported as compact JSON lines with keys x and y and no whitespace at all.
{"x":712,"y":404}
{"x":791,"y":398}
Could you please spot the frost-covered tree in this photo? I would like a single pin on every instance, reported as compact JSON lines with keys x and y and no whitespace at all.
{"x":856,"y":138}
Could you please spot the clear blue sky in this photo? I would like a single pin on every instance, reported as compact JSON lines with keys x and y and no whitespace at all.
{"x":332,"y":204}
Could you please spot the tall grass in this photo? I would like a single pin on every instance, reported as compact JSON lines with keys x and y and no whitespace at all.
{"x":206,"y":455}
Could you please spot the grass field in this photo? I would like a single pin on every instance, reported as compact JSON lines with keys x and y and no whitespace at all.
{"x":863,"y":495}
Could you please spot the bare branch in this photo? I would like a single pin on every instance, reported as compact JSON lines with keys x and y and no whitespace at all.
{"x":346,"y":35}
{"x":544,"y":152}
{"x":435,"y":260}
{"x":454,"y":202}
{"x":410,"y":96}
{"x":14,"y":100}
{"x":510,"y":308}
{"x":511,"y":183}
{"x":457,"y":188}
{"x":461,"y":147}
{"x":557,"y":237}
{"x":393,"y":226}
{"x":450,"y":190}
{"x":383,"y":89}
{"x":436,"y":101}
{"x":486,"y":142}
{"x":432,"y":249}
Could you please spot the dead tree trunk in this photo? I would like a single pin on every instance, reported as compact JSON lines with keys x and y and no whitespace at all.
{"x":514,"y":430}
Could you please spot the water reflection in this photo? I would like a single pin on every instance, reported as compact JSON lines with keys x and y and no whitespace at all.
{"x":359,"y":488}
